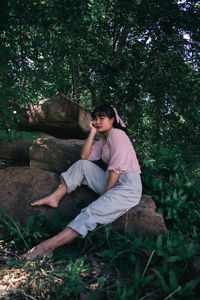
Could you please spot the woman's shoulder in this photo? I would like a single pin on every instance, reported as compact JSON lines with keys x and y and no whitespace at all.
{"x":117,"y":132}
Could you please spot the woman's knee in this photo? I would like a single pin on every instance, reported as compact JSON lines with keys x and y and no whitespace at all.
{"x":86,"y":163}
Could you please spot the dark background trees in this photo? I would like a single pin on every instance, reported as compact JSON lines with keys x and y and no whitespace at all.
{"x":143,"y":56}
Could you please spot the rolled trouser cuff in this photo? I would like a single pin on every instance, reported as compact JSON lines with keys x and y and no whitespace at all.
{"x":83,"y":223}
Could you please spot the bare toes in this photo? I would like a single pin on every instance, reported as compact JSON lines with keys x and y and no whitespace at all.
{"x":35,"y":253}
{"x":49,"y":202}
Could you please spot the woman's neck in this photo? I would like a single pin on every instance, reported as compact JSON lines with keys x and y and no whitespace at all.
{"x":106,"y":133}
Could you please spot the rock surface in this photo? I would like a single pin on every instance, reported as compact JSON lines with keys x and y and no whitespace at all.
{"x":53,"y":154}
{"x":19,"y":186}
{"x":142,"y":219}
{"x":17,"y":150}
{"x":58,"y":116}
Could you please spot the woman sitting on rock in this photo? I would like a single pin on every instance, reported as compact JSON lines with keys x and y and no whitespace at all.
{"x":119,"y":186}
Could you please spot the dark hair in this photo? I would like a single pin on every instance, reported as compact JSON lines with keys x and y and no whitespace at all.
{"x":106,"y":110}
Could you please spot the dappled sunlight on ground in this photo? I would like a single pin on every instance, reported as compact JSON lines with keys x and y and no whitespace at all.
{"x":11,"y":280}
{"x":40,"y":278}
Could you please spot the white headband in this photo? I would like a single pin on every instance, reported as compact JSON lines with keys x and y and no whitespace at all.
{"x":117,"y":117}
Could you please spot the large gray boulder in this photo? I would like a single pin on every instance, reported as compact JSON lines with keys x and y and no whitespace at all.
{"x":53,"y":154}
{"x":58,"y":116}
{"x":19,"y":186}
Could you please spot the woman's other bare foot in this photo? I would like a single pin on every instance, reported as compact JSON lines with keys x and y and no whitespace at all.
{"x":46,"y":248}
{"x":41,"y":250}
{"x":50,"y":201}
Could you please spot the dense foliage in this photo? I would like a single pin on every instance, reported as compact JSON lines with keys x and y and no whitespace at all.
{"x":143,"y":57}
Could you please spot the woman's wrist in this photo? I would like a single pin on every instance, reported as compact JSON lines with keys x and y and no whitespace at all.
{"x":92,"y":134}
{"x":93,"y":130}
{"x":87,"y":147}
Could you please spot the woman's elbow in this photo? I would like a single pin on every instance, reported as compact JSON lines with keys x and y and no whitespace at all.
{"x":84,"y":157}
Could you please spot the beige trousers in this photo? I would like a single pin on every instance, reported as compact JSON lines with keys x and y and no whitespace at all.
{"x":110,"y":205}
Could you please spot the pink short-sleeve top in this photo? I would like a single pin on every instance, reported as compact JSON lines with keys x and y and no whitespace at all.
{"x":117,"y":151}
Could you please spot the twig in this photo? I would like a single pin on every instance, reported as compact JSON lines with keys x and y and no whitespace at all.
{"x":148,"y":263}
{"x":108,"y":242}
{"x":149,"y":294}
{"x":176,"y":290}
{"x":85,"y":244}
{"x":117,"y":255}
{"x":117,"y":233}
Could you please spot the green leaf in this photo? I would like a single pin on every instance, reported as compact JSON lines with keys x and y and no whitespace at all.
{"x":173,"y":280}
{"x":106,"y":253}
{"x":172,"y":259}
{"x":159,"y":243}
{"x":162,"y":281}
{"x":188,"y":288}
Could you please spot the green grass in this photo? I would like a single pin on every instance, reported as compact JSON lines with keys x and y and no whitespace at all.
{"x":105,"y":263}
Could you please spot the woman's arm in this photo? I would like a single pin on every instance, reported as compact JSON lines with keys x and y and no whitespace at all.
{"x":112,"y":179}
{"x":87,"y":147}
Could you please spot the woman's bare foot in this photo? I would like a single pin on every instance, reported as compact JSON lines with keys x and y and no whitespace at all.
{"x":53,"y":199}
{"x":41,"y":250}
{"x":50,"y":201}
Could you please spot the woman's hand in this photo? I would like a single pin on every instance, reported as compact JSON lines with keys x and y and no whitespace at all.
{"x":87,"y":147}
{"x":112,"y":179}
{"x":92,"y":128}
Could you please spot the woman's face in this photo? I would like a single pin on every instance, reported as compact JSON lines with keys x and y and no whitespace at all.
{"x":103,"y":123}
